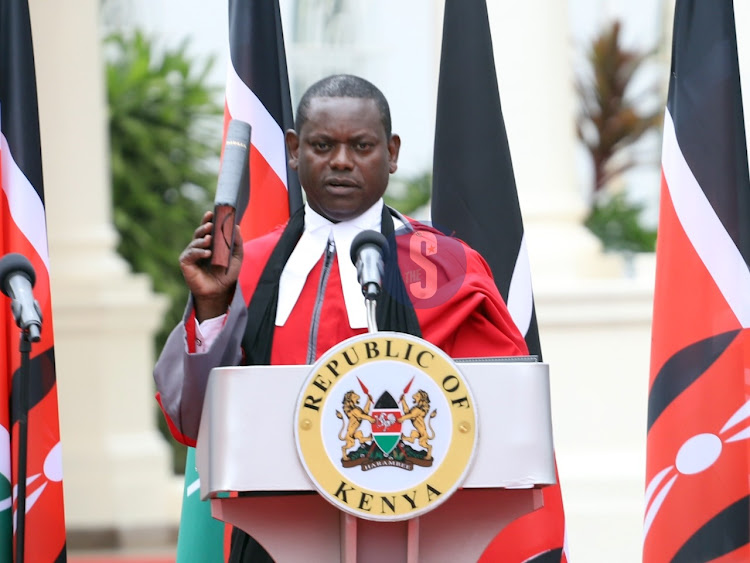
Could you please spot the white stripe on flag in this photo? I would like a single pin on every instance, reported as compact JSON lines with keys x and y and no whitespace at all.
{"x":266,"y":136}
{"x":33,"y":497}
{"x":520,"y":295}
{"x":4,"y":452}
{"x":654,"y":484}
{"x":742,"y":414}
{"x":192,"y":487}
{"x":654,"y":509}
{"x":703,"y":227}
{"x":26,"y":207}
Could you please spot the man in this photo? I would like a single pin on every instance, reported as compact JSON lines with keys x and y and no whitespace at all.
{"x":289,"y":296}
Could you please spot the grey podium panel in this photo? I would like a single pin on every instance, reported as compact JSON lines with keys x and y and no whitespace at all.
{"x":246,"y":438}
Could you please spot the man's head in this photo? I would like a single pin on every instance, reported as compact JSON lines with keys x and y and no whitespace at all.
{"x":343,"y":148}
{"x":344,"y":86}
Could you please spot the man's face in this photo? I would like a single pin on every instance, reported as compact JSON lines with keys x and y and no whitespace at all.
{"x":342,"y":156}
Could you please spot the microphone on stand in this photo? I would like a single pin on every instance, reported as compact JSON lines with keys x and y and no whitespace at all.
{"x":17,"y":277}
{"x":231,"y":191}
{"x":367,"y":252}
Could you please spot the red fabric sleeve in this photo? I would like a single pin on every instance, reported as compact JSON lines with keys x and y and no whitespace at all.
{"x":176,"y":434}
{"x":455,"y":297}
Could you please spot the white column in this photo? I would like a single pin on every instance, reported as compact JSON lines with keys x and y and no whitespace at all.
{"x":532,"y":48}
{"x":594,"y":325}
{"x":116,"y":466}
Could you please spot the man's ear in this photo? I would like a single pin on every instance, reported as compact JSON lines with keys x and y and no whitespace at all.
{"x":394,"y":145}
{"x":292,"y":147}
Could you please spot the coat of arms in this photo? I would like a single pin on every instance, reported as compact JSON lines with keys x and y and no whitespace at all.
{"x":385,"y":426}
{"x":387,"y":444}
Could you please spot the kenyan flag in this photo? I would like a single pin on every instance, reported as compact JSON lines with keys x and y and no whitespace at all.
{"x":41,"y":516}
{"x":386,"y":430}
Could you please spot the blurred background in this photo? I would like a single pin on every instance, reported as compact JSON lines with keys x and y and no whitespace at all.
{"x":131,"y":103}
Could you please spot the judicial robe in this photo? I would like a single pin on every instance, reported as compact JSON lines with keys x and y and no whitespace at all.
{"x":450,"y":285}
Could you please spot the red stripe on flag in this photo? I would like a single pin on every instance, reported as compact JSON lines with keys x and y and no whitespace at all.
{"x":687,"y":299}
{"x":268,"y":206}
{"x":737,"y":556}
{"x":269,"y":203}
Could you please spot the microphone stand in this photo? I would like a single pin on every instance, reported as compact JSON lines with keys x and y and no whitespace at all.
{"x":23,"y":437}
{"x":372,"y":323}
{"x":29,"y":334}
{"x":366,"y":253}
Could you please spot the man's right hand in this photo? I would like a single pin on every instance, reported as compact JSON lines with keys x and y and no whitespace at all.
{"x":212,"y":286}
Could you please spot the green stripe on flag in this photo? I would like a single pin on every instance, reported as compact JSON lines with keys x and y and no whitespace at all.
{"x":201,"y":537}
{"x":6,"y":503}
{"x":6,"y":527}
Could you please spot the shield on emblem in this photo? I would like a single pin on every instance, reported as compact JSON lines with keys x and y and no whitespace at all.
{"x":386,"y":430}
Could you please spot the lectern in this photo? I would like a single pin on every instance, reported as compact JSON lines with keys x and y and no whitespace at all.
{"x":252,"y":442}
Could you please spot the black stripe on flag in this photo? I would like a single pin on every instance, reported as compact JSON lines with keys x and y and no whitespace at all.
{"x":551,"y":556}
{"x":724,"y":533}
{"x":706,"y":106}
{"x":253,"y":23}
{"x":41,"y":381}
{"x":18,"y":92}
{"x":683,"y":369}
{"x":474,"y":189}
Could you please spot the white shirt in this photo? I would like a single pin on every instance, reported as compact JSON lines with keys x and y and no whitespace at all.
{"x":309,"y":249}
{"x":311,"y":246}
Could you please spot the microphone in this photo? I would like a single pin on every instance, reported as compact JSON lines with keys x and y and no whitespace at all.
{"x":367,"y":251}
{"x":232,"y":191}
{"x":17,"y":277}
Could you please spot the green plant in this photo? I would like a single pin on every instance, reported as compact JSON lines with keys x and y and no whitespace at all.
{"x":164,"y":130}
{"x":165,"y":136}
{"x":616,"y":222}
{"x":412,"y":195}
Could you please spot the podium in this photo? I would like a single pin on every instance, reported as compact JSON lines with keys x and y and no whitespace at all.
{"x":246,"y":445}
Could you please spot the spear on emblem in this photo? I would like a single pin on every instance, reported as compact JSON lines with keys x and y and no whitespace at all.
{"x":365,"y":389}
{"x":366,"y":392}
{"x":406,"y":389}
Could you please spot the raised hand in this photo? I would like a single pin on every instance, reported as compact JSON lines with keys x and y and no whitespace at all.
{"x":212,"y":286}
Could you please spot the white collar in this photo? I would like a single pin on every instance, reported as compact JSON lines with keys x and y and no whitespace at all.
{"x":311,"y":245}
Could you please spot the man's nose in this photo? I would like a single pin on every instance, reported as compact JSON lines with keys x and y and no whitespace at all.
{"x":341,"y":157}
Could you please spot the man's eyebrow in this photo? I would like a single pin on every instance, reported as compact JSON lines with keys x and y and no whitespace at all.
{"x":320,"y":136}
{"x":365,"y":135}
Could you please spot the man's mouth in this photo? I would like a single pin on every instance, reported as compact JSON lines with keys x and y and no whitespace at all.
{"x":341,"y":184}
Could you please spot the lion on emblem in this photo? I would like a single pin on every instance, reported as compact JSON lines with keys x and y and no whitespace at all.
{"x":350,"y":431}
{"x":417,"y":415}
